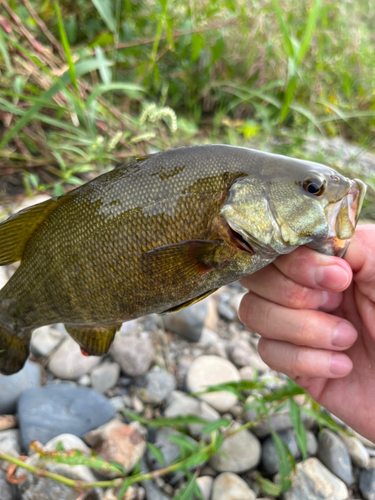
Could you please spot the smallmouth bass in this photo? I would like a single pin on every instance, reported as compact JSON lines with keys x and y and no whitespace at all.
{"x":159,"y":234}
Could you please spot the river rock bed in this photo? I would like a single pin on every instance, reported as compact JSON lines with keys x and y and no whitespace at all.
{"x":66,"y":400}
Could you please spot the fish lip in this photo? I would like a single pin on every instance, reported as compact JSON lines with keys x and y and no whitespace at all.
{"x":344,"y":213}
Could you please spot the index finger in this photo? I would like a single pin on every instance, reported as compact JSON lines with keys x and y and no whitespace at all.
{"x":314,"y":270}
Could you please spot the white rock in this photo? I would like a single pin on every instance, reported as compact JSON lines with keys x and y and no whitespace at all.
{"x":229,"y":486}
{"x":205,"y":485}
{"x":184,"y":405}
{"x":45,"y":339}
{"x":105,"y":376}
{"x":247,"y":373}
{"x":212,"y":370}
{"x":314,"y":481}
{"x":68,"y":362}
{"x":84,"y":380}
{"x":357,"y":451}
{"x":238,"y":453}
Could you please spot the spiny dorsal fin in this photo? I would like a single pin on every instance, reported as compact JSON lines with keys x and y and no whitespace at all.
{"x":16,"y":231}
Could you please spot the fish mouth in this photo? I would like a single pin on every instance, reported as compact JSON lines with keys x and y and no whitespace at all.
{"x":342,"y":217}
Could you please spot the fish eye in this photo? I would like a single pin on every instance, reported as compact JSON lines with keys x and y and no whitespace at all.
{"x":313,"y":186}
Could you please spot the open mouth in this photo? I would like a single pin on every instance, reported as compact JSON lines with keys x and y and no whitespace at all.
{"x":342,"y":218}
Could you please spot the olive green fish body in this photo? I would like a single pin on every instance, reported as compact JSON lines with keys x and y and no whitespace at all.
{"x":155,"y":235}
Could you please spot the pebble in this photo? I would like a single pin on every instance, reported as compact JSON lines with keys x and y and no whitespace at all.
{"x":47,"y":489}
{"x":10,"y":442}
{"x":84,"y":380}
{"x":334,"y":455}
{"x":185,"y":405}
{"x":68,"y":363}
{"x":45,"y":339}
{"x":11,"y":387}
{"x":133,"y":355}
{"x":229,"y":486}
{"x":116,"y":441}
{"x":314,"y":481}
{"x":357,"y":451}
{"x":188,"y":322}
{"x":105,"y":376}
{"x":155,"y":386}
{"x":118,"y":403}
{"x":205,"y":486}
{"x":46,"y":412}
{"x":279,"y":421}
{"x":367,"y":481}
{"x":212,"y":370}
{"x":5,"y":487}
{"x":208,"y":337}
{"x":153,"y":492}
{"x":69,"y":442}
{"x":247,"y":373}
{"x":238,"y":453}
{"x":242,"y":354}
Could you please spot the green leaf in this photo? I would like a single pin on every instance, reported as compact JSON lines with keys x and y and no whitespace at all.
{"x":66,"y":47}
{"x":196,"y":459}
{"x":311,"y":22}
{"x":184,"y":442}
{"x":287,"y":391}
{"x":197,"y":44}
{"x":104,"y":7}
{"x":189,"y":490}
{"x":299,"y":428}
{"x":324,"y":420}
{"x":284,"y":29}
{"x":268,"y":486}
{"x":213,"y":426}
{"x":123,"y":489}
{"x":104,"y":69}
{"x":130,"y":89}
{"x":4,"y":52}
{"x":286,"y":461}
{"x":167,"y":422}
{"x":157,"y":453}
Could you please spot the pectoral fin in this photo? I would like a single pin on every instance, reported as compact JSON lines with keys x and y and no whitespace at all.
{"x":93,"y":340}
{"x":14,"y":351}
{"x":189,"y":302}
{"x":189,"y":259}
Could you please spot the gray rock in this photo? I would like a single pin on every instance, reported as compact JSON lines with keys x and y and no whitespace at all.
{"x":208,"y":337}
{"x":105,"y":376}
{"x":226,"y":311}
{"x":169,"y":449}
{"x":13,"y":386}
{"x":242,"y":354}
{"x":156,"y":386}
{"x":314,"y":481}
{"x":229,"y":486}
{"x":279,"y":421}
{"x":357,"y":451}
{"x":205,"y":486}
{"x":45,"y":339}
{"x":10,"y":442}
{"x":367,"y":482}
{"x":68,"y":363}
{"x":188,"y":322}
{"x":269,"y":456}
{"x":152,"y":491}
{"x":239,"y":453}
{"x":333,"y":454}
{"x":212,"y":370}
{"x":118,"y":403}
{"x":118,"y":442}
{"x":185,"y":405}
{"x":48,"y":411}
{"x":133,"y":355}
{"x":46,"y":489}
{"x":5,"y":488}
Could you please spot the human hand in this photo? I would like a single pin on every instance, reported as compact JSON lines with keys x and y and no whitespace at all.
{"x":316,"y":317}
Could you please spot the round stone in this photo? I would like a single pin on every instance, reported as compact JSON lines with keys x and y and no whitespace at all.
{"x":229,"y":486}
{"x":212,"y":370}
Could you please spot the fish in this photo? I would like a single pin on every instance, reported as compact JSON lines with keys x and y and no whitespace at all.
{"x":159,"y":234}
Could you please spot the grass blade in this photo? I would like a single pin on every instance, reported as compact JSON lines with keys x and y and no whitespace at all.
{"x":104,"y":7}
{"x":65,"y":44}
{"x":284,"y":29}
{"x":299,"y":428}
{"x":130,"y":89}
{"x":311,"y":22}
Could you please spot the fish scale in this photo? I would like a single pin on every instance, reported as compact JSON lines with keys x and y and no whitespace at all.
{"x":154,"y":236}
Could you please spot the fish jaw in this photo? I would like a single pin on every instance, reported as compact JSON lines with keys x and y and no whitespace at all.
{"x":342,"y":218}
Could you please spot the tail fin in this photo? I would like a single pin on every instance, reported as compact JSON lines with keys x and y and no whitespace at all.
{"x":13,"y":351}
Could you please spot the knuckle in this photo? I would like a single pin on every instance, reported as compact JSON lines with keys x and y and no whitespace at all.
{"x":297,"y":296}
{"x":298,"y":365}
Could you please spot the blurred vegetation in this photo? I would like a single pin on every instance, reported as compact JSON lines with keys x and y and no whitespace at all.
{"x":87,"y":84}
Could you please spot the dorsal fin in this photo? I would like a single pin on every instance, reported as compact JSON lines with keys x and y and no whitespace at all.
{"x":17,"y":229}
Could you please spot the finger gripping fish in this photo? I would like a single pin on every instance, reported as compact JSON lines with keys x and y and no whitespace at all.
{"x":159,"y":234}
